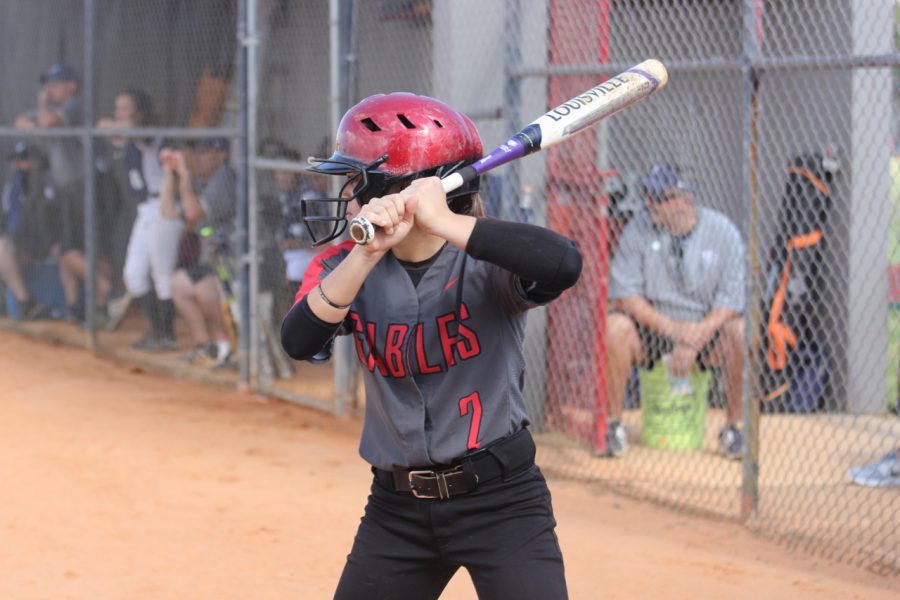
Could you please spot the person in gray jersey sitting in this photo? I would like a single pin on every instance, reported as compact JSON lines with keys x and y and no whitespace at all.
{"x":676,"y":289}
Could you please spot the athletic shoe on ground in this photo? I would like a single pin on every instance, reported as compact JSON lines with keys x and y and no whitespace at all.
{"x":201,"y":352}
{"x":731,"y":442}
{"x":118,"y":308}
{"x":77,"y":317}
{"x":146,"y":343}
{"x":152,"y":343}
{"x":223,"y":351}
{"x":166,"y":344}
{"x":228,"y":365}
{"x":74,"y":314}
{"x":30,"y":309}
{"x":101,"y":317}
{"x":222,"y":355}
{"x":616,"y":439}
{"x":881,"y":473}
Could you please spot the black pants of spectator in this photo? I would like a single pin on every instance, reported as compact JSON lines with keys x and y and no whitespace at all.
{"x":503,"y":533}
{"x":160,"y":314}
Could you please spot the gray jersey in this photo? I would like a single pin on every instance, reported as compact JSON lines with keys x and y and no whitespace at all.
{"x":443,"y":361}
{"x":218,"y":196}
{"x":685,"y":283}
{"x":64,"y":153}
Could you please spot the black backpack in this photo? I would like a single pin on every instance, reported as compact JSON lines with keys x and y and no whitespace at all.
{"x":795,"y":349}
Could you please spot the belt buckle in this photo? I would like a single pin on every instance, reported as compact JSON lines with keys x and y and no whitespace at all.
{"x":439,"y":476}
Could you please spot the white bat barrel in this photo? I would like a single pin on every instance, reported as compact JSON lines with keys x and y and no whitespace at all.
{"x":601,"y":101}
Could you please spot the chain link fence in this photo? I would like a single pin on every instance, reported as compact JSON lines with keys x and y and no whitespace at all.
{"x":776,"y":136}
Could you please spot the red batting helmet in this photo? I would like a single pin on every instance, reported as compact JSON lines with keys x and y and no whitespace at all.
{"x":387,"y":141}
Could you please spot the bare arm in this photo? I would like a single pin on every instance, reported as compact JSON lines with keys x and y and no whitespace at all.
{"x":643,"y":312}
{"x":711,"y":323}
{"x":25,"y":122}
{"x":47,"y":118}
{"x":692,"y":334}
{"x":342,"y":285}
{"x":691,"y":337}
{"x":167,"y":203}
{"x":190,"y":202}
{"x":312,"y":322}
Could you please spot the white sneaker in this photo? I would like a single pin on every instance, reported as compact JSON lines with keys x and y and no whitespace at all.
{"x":616,"y":439}
{"x":881,"y":473}
{"x":116,"y":311}
{"x":223,"y":351}
{"x":731,"y":442}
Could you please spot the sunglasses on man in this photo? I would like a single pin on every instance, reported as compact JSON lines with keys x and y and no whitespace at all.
{"x":660,"y":197}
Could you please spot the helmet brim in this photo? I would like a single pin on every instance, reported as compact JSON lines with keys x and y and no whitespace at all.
{"x":336,"y":164}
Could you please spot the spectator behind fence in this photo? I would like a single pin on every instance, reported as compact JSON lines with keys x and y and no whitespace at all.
{"x":59,"y":105}
{"x":29,"y":224}
{"x":296,"y":244}
{"x":152,"y":248}
{"x":73,"y":260}
{"x":271,"y":259}
{"x":206,"y":187}
{"x":271,"y":296}
{"x":677,"y":289}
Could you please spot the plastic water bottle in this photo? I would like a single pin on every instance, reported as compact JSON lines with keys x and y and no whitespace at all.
{"x":678,"y":385}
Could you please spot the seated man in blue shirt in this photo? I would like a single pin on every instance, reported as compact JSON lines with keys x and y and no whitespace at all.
{"x":677,"y":289}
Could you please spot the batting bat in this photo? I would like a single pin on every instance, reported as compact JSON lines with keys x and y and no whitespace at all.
{"x":561,"y":123}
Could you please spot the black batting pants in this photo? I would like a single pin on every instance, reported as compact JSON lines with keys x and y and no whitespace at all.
{"x":503,"y":533}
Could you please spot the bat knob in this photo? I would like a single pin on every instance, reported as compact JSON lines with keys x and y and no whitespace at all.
{"x":361,"y":230}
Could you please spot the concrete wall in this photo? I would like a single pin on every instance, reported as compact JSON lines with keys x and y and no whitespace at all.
{"x":294,"y":75}
{"x":870,"y":211}
{"x":54,"y":34}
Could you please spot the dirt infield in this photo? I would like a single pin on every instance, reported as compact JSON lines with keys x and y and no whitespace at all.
{"x":118,"y":483}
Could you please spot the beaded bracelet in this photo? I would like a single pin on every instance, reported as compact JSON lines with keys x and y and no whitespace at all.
{"x":329,"y":302}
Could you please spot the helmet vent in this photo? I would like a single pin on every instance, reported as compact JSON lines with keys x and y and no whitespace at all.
{"x":370,"y":124}
{"x":438,"y":123}
{"x":406,"y":122}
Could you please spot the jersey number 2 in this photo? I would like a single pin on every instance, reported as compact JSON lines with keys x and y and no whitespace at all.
{"x":472,"y":401}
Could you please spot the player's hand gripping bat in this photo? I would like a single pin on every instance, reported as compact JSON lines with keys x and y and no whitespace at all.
{"x":561,"y":123}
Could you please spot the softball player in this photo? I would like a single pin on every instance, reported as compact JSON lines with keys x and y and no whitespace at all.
{"x":152,"y":247}
{"x":436,"y":305}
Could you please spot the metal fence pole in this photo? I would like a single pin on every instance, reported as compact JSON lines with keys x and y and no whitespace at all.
{"x":242,"y":209}
{"x":341,"y":32}
{"x":90,"y":211}
{"x":249,"y":44}
{"x":750,"y":196}
{"x":512,"y":101}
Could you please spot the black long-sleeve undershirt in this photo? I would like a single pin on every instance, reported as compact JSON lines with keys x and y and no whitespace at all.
{"x":303,"y":334}
{"x":546,"y":261}
{"x":536,"y":254}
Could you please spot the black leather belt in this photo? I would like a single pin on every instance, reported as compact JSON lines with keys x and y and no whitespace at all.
{"x":504,"y":458}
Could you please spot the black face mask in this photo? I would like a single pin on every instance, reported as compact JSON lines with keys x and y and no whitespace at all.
{"x":326,"y":217}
